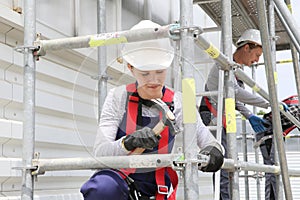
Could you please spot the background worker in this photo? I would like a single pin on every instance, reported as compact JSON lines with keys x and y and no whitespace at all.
{"x":249,"y":50}
{"x":126,"y":123}
{"x":290,"y":105}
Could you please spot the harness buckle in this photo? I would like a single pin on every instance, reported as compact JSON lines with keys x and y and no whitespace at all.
{"x":162,"y":189}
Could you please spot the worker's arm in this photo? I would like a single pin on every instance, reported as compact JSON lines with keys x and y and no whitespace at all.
{"x":112,"y":113}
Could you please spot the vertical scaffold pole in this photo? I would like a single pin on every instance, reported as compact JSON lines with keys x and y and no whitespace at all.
{"x":290,"y":22}
{"x":28,"y":99}
{"x":294,"y":56}
{"x":147,"y":10}
{"x":102,"y":63}
{"x":230,"y":99}
{"x":258,"y":189}
{"x":273,"y":55}
{"x":245,"y":156}
{"x":261,"y":7}
{"x":191,"y":182}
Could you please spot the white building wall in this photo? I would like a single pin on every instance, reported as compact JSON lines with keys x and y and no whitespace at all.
{"x":66,"y":93}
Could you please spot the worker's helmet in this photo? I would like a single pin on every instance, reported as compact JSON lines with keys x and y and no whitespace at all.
{"x":148,"y":55}
{"x":249,"y":36}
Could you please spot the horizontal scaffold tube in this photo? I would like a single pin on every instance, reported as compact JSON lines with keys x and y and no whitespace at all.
{"x":248,"y":166}
{"x":102,"y":39}
{"x":214,"y":52}
{"x":117,"y":162}
{"x":143,"y":161}
{"x":251,"y":83}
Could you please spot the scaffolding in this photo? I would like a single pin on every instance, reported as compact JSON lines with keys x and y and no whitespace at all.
{"x":188,"y":160}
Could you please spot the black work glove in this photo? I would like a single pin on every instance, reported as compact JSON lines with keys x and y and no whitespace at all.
{"x":143,"y":138}
{"x":215,"y":161}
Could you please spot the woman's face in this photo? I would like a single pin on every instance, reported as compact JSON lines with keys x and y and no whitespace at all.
{"x":150,"y":83}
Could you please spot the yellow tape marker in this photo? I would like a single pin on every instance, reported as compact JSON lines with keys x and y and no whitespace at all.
{"x":285,"y":61}
{"x":189,"y":101}
{"x":212,"y":51}
{"x":230,"y":115}
{"x":255,"y":88}
{"x":104,"y":39}
{"x":290,"y":7}
{"x":287,"y":136}
{"x":276,"y":77}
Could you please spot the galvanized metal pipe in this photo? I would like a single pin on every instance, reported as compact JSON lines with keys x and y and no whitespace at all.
{"x":271,"y":21}
{"x":143,"y":161}
{"x":245,"y":156}
{"x":286,"y":14}
{"x":118,"y":5}
{"x":296,"y":68}
{"x":76,"y":17}
{"x":147,"y":10}
{"x":288,"y":30}
{"x":28,"y":100}
{"x":176,"y":64}
{"x":295,"y":57}
{"x":208,"y":93}
{"x":191,"y":179}
{"x":230,"y":99}
{"x":253,"y":92}
{"x":258,"y":189}
{"x":261,"y":7}
{"x":101,"y":39}
{"x":116,"y":162}
{"x":220,"y":111}
{"x":213,"y":52}
{"x":102,"y":61}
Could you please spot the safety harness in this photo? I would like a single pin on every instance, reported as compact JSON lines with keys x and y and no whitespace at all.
{"x":213,"y":110}
{"x":134,"y":118}
{"x":211,"y":107}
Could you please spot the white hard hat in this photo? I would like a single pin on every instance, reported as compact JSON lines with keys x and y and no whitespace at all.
{"x":249,"y":36}
{"x":148,"y":55}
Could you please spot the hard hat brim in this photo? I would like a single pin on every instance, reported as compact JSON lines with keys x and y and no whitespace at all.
{"x":147,"y":59}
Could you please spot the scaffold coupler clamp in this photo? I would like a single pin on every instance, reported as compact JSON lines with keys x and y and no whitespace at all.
{"x":26,"y":50}
{"x":235,"y":66}
{"x":29,"y":49}
{"x":179,"y":164}
{"x":203,"y":160}
{"x":39,"y":51}
{"x":175,"y":31}
{"x":33,"y":167}
{"x":35,"y":163}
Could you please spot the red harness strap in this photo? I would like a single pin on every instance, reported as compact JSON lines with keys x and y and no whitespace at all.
{"x":132,"y":108}
{"x":162,"y":189}
{"x":213,"y":110}
{"x":131,"y":121}
{"x":131,"y":117}
{"x":288,"y":130}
